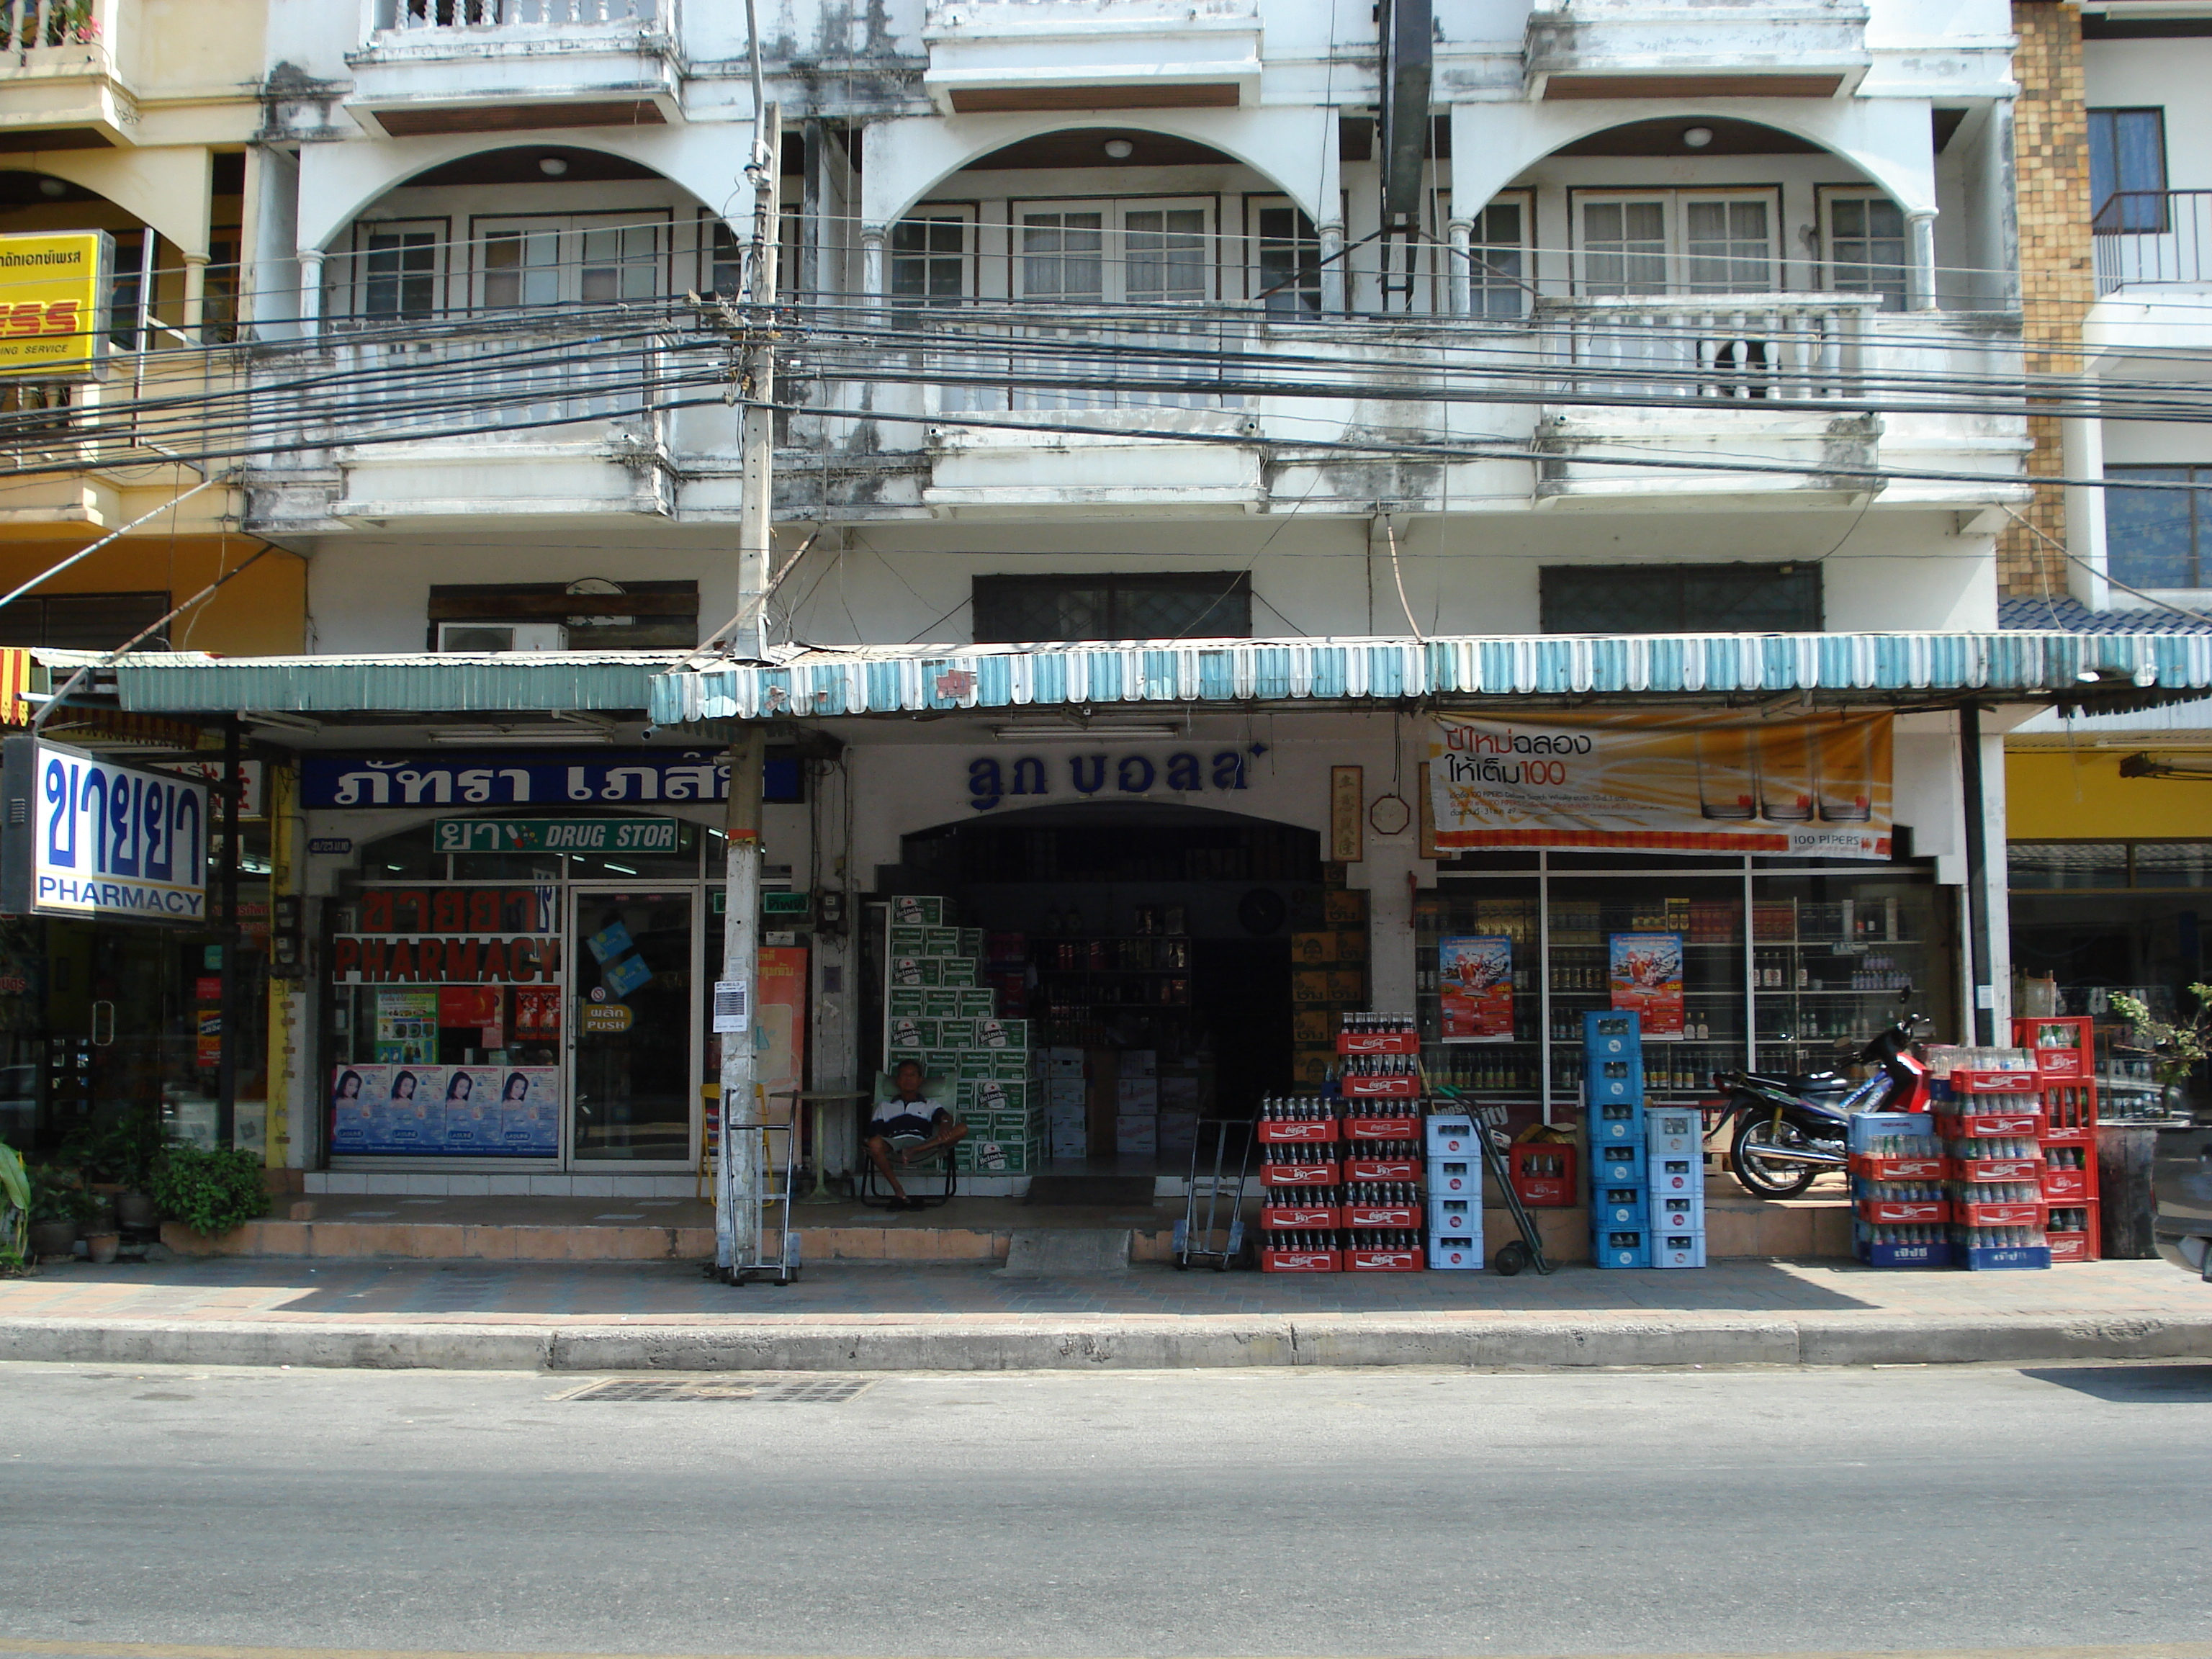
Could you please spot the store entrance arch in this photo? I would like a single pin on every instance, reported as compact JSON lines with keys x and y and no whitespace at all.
{"x":1154,"y":938}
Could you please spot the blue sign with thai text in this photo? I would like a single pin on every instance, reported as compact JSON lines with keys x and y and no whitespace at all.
{"x":597,"y":777}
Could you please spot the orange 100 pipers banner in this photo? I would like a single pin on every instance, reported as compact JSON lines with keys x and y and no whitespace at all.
{"x":1665,"y":782}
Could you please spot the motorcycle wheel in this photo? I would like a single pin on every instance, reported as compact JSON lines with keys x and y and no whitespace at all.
{"x":1764,"y":1178}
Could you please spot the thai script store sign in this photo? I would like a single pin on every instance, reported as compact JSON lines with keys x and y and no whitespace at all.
{"x":1665,"y":782}
{"x":556,"y":835}
{"x":588,"y":778}
{"x":89,"y":839}
{"x":450,"y":935}
{"x":53,"y":286}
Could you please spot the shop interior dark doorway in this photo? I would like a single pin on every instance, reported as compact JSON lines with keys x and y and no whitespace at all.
{"x":1155,"y":939}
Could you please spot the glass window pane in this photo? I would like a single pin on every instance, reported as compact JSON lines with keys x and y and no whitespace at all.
{"x":1726,"y":246}
{"x":1062,"y":256}
{"x":2173,"y":864}
{"x":2038,"y":865}
{"x":1497,"y":271}
{"x":1625,"y":248}
{"x":1866,"y":247}
{"x":2150,"y":535}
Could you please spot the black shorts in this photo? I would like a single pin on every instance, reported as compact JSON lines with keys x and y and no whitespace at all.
{"x":891,"y":1128}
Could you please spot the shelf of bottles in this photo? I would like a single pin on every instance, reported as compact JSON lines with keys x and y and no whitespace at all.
{"x":1790,"y":973}
{"x":1084,"y":983}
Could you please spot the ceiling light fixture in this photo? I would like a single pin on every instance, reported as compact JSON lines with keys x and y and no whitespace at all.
{"x":1697,"y":138}
{"x":552,"y":166}
{"x":1120,"y":149}
{"x":53,"y":187}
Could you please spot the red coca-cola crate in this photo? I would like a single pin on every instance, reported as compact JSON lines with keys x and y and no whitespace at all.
{"x":1892,"y":1211}
{"x":1996,"y":1083}
{"x":1898,"y":1168}
{"x":2064,"y":1043}
{"x":1970,"y":1214}
{"x":1381,"y":1215}
{"x":2071,"y":1244}
{"x":1382,"y":1088}
{"x":1381,"y":1128}
{"x":1996,"y":1169}
{"x":1291,"y":1132}
{"x":1309,"y":1172}
{"x":1384,"y":1261}
{"x":1543,"y":1174}
{"x":2069,"y":1186}
{"x":1382,"y":1169}
{"x":1301,"y":1261}
{"x":1378,"y":1043}
{"x":1300,"y":1218}
{"x":2069,"y":1135}
{"x":1991,"y":1126}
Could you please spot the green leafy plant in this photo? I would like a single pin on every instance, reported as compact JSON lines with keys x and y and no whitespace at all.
{"x":2177,"y":1048}
{"x":15,"y":1211}
{"x":123,"y":1152}
{"x":210,"y":1191}
{"x":60,"y":1194}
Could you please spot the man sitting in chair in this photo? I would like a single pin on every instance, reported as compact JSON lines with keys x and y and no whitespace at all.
{"x":907,"y":1127}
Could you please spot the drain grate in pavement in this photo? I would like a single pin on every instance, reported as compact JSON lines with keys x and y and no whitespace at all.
{"x":820,"y":1391}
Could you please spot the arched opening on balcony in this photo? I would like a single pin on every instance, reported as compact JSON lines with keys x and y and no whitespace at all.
{"x":1691,"y":208}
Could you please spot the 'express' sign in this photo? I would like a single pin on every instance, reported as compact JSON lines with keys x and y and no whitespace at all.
{"x":52,"y":289}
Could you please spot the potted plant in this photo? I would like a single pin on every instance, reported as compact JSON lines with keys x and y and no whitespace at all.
{"x":2176,"y":1049}
{"x":60,"y":1203}
{"x":119,"y":1159}
{"x":14,"y":1212}
{"x":210,"y":1191}
{"x":101,"y":1241}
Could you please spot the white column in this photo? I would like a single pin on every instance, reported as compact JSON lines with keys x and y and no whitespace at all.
{"x":1461,"y":234}
{"x":2081,"y":449}
{"x":196,"y":266}
{"x":872,"y":275}
{"x":1332,"y":268}
{"x":311,"y":292}
{"x":1920,"y":279}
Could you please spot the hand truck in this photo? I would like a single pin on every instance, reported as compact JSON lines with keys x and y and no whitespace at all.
{"x":1194,"y":1235}
{"x":767,"y":1194}
{"x":1528,"y":1250}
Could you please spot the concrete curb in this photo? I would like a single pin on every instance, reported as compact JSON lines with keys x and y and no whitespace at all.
{"x":1109,"y":1344}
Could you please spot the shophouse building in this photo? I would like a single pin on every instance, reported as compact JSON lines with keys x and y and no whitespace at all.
{"x":1211,"y":436}
{"x":136,"y":120}
{"x":2110,"y":820}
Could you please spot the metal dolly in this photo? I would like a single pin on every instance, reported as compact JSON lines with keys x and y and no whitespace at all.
{"x":766,"y":1195}
{"x":1193,"y":1236}
{"x":1526,"y":1250}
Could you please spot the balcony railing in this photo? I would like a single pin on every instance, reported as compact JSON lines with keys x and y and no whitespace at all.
{"x":2146,"y":237}
{"x":1746,"y":346}
{"x":47,"y":33}
{"x":428,"y":17}
{"x":978,"y":372}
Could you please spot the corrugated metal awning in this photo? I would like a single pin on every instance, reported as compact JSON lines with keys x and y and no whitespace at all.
{"x":424,"y":683}
{"x":1858,"y":667}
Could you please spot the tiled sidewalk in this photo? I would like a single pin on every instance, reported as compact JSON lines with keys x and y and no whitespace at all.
{"x":373,"y":1294}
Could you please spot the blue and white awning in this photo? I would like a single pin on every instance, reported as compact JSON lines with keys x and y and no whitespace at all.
{"x":2023,"y":666}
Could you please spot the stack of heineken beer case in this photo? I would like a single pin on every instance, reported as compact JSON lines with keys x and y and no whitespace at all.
{"x":939,"y":1012}
{"x":1900,"y":1204}
{"x":1989,"y":1111}
{"x":1647,"y":1163}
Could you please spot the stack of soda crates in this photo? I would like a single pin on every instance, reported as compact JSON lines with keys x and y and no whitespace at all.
{"x":1301,"y":1207}
{"x":1381,"y":1229}
{"x":1900,"y":1207}
{"x":1675,"y":1152}
{"x":1989,"y":1104}
{"x":1454,"y":1189}
{"x":2066,"y":1071}
{"x":1621,"y":1166}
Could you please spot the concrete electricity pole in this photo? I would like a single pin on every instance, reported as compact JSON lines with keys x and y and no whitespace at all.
{"x":737,"y":1238}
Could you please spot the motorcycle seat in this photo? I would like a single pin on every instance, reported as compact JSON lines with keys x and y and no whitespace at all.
{"x":1801,"y":1083}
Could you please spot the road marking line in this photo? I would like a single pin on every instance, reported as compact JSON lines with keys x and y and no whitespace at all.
{"x":211,"y":1650}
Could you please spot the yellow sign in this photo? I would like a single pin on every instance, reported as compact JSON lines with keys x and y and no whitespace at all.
{"x":53,"y":289}
{"x":1730,"y":782}
{"x":607,"y":1018}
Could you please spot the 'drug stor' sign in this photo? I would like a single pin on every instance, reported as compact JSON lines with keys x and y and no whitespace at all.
{"x":1665,"y":782}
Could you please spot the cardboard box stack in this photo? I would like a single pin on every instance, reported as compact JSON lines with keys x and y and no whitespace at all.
{"x":1067,"y":1104}
{"x":1137,"y":1104}
{"x":936,"y":1010}
{"x":1328,"y":979}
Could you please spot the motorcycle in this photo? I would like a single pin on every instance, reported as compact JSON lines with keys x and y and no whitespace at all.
{"x":1789,"y":1128}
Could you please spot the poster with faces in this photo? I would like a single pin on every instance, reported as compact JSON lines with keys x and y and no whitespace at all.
{"x":357,"y":1095}
{"x":528,"y":1111}
{"x":472,"y":1111}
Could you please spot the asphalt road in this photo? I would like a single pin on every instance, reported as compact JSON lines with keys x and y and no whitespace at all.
{"x":1269,"y":1512}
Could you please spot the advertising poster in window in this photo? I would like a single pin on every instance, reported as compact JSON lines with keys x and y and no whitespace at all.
{"x":779,"y":1025}
{"x":1665,"y":782}
{"x":1644,"y":973}
{"x":456,"y":1111}
{"x":1474,"y":984}
{"x":406,"y":1024}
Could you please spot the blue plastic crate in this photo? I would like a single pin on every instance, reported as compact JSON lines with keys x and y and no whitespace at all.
{"x":1615,"y":1078}
{"x":1454,"y":1252}
{"x":1904,"y":1255}
{"x":1677,"y":1175}
{"x":2012,"y":1258}
{"x":1615,"y":1120}
{"x":1613,"y":1033}
{"x":1620,"y":1247}
{"x":1867,"y":1128}
{"x":1618,"y":1163}
{"x":1676,"y":1130}
{"x":1618,"y":1207}
{"x":1678,"y":1213}
{"x":1458,"y":1216}
{"x":1675,"y":1249}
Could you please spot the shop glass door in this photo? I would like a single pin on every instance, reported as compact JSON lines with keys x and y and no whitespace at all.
{"x":634,"y":956}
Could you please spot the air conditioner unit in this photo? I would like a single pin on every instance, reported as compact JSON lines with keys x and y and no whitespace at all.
{"x":502,"y":637}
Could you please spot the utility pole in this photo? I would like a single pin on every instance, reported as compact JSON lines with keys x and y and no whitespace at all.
{"x":737,"y":1238}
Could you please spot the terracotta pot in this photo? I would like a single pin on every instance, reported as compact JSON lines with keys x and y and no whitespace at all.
{"x":135,"y":1210}
{"x":52,"y":1238}
{"x":102,"y":1247}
